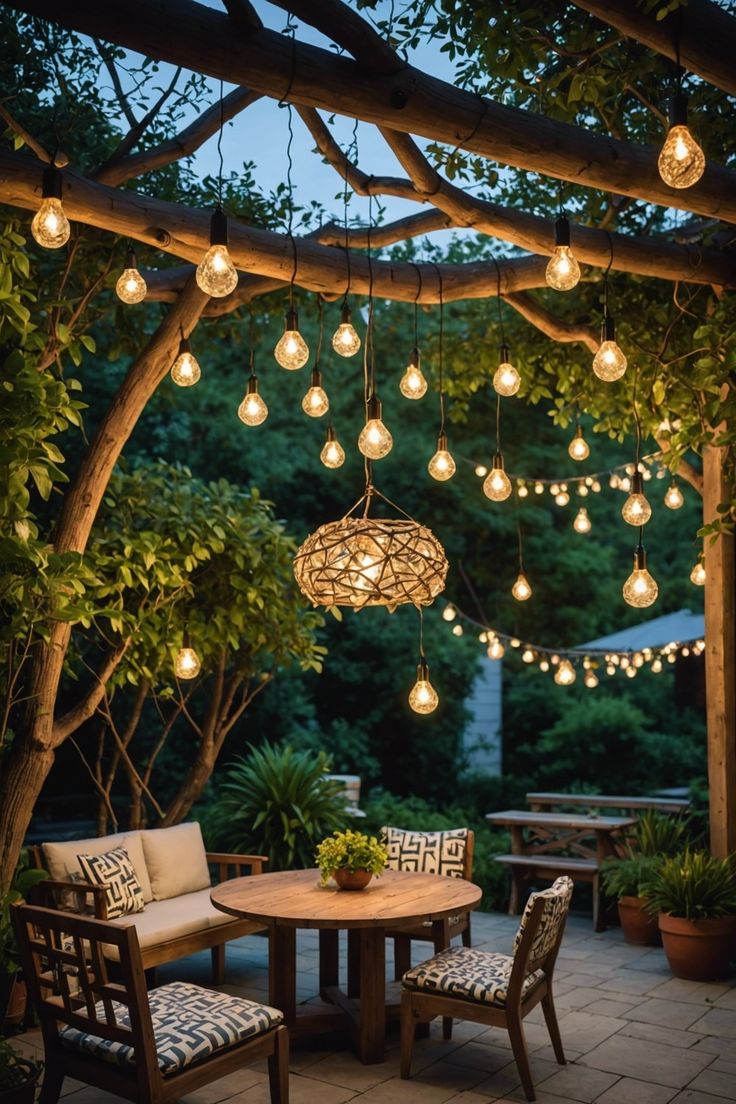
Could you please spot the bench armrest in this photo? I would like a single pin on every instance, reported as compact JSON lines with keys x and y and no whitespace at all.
{"x":49,"y":893}
{"x":232,"y":865}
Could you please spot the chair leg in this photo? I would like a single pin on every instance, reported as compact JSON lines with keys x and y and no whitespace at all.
{"x":466,"y":933}
{"x":599,"y":919}
{"x":408,"y":1031}
{"x":278,"y":1068}
{"x":518,"y":1045}
{"x":53,"y":1079}
{"x":402,"y":956}
{"x":447,"y":1027}
{"x":218,"y":964}
{"x":550,"y":1016}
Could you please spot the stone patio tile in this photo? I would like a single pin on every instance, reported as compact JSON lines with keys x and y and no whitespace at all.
{"x":398,"y":1091}
{"x":91,"y":1095}
{"x":607,"y":1007}
{"x":692,"y":1096}
{"x":506,"y":1083}
{"x":486,"y":1058}
{"x":728,"y":1000}
{"x":716,"y":1082}
{"x":667,"y":1035}
{"x":583,"y":1030}
{"x":695,"y":992}
{"x":346,"y":1070}
{"x":548,"y":1054}
{"x":577,"y":997}
{"x":719,"y":1021}
{"x":644,"y":1060}
{"x":446,"y":1074}
{"x":302,"y":1090}
{"x":630,"y":1091}
{"x":724,"y":1066}
{"x":576,"y":1082}
{"x":590,"y":981}
{"x":536,"y":1035}
{"x":715,"y":1044}
{"x":628,"y":981}
{"x":226,"y":1087}
{"x":665,"y":1013}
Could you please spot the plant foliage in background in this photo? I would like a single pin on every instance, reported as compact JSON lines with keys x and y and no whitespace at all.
{"x":694,"y":885}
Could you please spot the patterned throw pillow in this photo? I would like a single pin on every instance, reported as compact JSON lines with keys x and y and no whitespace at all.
{"x":115,"y":872}
{"x":427,"y":852}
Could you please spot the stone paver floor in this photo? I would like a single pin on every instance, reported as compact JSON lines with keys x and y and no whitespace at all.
{"x":632,"y":1034}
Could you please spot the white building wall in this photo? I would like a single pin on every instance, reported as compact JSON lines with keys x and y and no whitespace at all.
{"x":483,"y":734}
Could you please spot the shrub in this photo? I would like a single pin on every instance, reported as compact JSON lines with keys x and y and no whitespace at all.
{"x":659,"y":834}
{"x":629,"y":877}
{"x":694,"y":885}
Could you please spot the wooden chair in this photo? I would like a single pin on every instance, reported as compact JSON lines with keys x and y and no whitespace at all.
{"x":152,"y":1047}
{"x":449,"y":853}
{"x":494,"y":989}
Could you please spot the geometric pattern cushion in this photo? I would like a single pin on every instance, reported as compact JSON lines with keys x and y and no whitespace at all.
{"x":556,"y":905}
{"x":116,"y":873}
{"x":427,"y":852}
{"x":469,"y":974}
{"x":189,"y":1023}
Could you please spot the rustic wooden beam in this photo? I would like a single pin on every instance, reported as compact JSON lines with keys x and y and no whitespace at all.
{"x":186,"y":33}
{"x":706,"y":33}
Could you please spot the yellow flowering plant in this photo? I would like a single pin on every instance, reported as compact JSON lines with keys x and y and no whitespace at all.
{"x":350,"y":851}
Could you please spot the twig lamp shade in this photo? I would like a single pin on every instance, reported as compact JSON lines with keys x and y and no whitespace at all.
{"x":365,"y":561}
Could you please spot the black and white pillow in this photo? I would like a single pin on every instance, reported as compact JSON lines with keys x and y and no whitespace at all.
{"x":116,"y":873}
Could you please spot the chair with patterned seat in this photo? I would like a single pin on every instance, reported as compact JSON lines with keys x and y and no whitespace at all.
{"x":152,"y":1048}
{"x":449,"y":853}
{"x":494,"y":989}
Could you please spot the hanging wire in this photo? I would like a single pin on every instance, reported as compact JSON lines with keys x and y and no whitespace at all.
{"x":283,"y":102}
{"x":320,"y":316}
{"x":252,"y":340}
{"x":518,"y":533}
{"x":369,"y":374}
{"x":418,"y":271}
{"x":637,"y":421}
{"x":498,"y":423}
{"x":498,"y":299}
{"x":421,"y":632}
{"x":605,"y":275}
{"x":352,"y":151}
{"x":219,"y":148}
{"x":441,"y":349}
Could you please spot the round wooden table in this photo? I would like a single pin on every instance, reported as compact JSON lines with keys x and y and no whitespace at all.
{"x":294,"y":899}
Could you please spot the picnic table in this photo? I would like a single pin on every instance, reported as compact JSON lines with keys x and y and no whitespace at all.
{"x":538,"y":802}
{"x":546,"y":845}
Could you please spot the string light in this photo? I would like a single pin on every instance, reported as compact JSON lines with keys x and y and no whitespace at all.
{"x":481,"y":470}
{"x":521,"y":589}
{"x":681,"y":161}
{"x":497,"y":485}
{"x":216,"y":274}
{"x":375,"y":441}
{"x":590,"y":679}
{"x":578,"y":449}
{"x":506,"y":379}
{"x":563,"y":270}
{"x":332,"y":454}
{"x":413,"y":384}
{"x":316,"y":403}
{"x":582,"y":523}
{"x":636,"y":509}
{"x":50,"y":226}
{"x":640,"y":590}
{"x":457,"y":630}
{"x":423,"y":697}
{"x":131,"y":287}
{"x":496,"y":649}
{"x":253,"y":410}
{"x":609,"y":363}
{"x":291,"y":351}
{"x":674,"y":497}
{"x":442,"y":466}
{"x":185,"y":371}
{"x":449,"y":613}
{"x":697,"y":575}
{"x":565,"y":674}
{"x":527,"y":656}
{"x":345,"y":340}
{"x":187,"y":664}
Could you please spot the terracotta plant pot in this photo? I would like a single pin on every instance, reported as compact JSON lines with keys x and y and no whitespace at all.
{"x":351,"y":879}
{"x":699,"y":950}
{"x":637,"y":925}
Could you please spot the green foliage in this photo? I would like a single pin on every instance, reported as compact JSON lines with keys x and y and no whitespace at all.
{"x":15,"y":1068}
{"x":629,"y":877}
{"x":659,"y":834}
{"x":24,"y":879}
{"x":350,"y":851}
{"x":276,"y":802}
{"x":694,"y":885}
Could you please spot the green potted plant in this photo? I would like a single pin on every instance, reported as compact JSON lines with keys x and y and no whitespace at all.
{"x":18,"y":1076}
{"x":628,"y":881}
{"x":351,"y":858}
{"x":694,"y":896}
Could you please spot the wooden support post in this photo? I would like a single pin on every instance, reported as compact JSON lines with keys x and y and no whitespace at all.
{"x":720,"y":660}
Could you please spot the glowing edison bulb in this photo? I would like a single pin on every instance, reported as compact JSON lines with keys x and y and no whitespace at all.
{"x":681,"y":161}
{"x":506,"y":379}
{"x":609,"y":363}
{"x":590,"y":679}
{"x":185,"y":370}
{"x":131,"y":287}
{"x":186,"y":664}
{"x":291,"y":351}
{"x":332,"y":454}
{"x":413,"y":384}
{"x":563,"y":271}
{"x":345,"y":340}
{"x":521,"y":589}
{"x":50,"y":226}
{"x":656,"y":666}
{"x":497,"y":485}
{"x":457,"y":630}
{"x":527,"y":656}
{"x":636,"y":509}
{"x":216,"y":274}
{"x":578,"y":449}
{"x":673,"y":497}
{"x":252,"y":410}
{"x":375,"y":441}
{"x":582,"y":523}
{"x":565,"y":673}
{"x":496,"y":649}
{"x":423,"y":697}
{"x":449,"y":613}
{"x":442,"y":466}
{"x":640,"y":589}
{"x":315,"y":403}
{"x":697,"y":575}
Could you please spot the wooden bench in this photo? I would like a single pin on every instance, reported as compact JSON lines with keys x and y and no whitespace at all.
{"x":589,"y":802}
{"x":527,"y":868}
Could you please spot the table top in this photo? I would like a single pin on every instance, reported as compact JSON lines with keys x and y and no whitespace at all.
{"x":295,"y":899}
{"x":609,"y":801}
{"x":523,"y":817}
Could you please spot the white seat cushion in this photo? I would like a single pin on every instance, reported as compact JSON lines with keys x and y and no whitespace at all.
{"x":189,"y":1023}
{"x":163,"y":921}
{"x":481,"y":976}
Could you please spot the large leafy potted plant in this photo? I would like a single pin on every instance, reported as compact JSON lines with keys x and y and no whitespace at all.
{"x":628,"y":881}
{"x":18,"y":1076}
{"x":351,"y":858}
{"x":694,"y":896}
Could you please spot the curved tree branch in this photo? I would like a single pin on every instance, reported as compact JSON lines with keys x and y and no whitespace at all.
{"x":552,"y":326}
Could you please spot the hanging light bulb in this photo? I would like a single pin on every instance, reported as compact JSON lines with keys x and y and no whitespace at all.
{"x":457,"y":630}
{"x":315,"y":403}
{"x":186,"y":664}
{"x":442,"y":466}
{"x":496,"y":649}
{"x":291,"y":350}
{"x":527,"y":656}
{"x":590,"y":679}
{"x":563,"y":271}
{"x":565,"y":674}
{"x":656,"y":666}
{"x":636,"y":509}
{"x":375,"y":441}
{"x":681,"y":162}
{"x":449,"y":613}
{"x":252,"y":410}
{"x":413,"y":384}
{"x":50,"y":226}
{"x":423,"y":697}
{"x":578,"y":449}
{"x":522,"y":490}
{"x":562,"y":497}
{"x":506,"y":379}
{"x":673,"y":497}
{"x":497,"y":485}
{"x":332,"y":454}
{"x":582,"y":523}
{"x":216,"y":274}
{"x":131,"y":287}
{"x":640,"y":589}
{"x":185,"y":370}
{"x":609,"y":363}
{"x":521,"y":589}
{"x":481,"y":470}
{"x":345,"y":340}
{"x":697,"y":575}
{"x":544,"y":665}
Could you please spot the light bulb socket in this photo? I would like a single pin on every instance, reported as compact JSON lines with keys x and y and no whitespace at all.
{"x":184,"y":346}
{"x":218,"y":227}
{"x":253,"y":385}
{"x":640,"y":558}
{"x":185,"y":639}
{"x":374,"y":409}
{"x":504,"y":354}
{"x":291,"y":319}
{"x":330,"y":434}
{"x":579,"y":433}
{"x":422,"y":671}
{"x":414,"y":357}
{"x":608,"y":329}
{"x":498,"y":460}
{"x":637,"y":483}
{"x":51,"y":183}
{"x":316,"y":378}
{"x":677,"y":109}
{"x":442,"y":442}
{"x":346,"y":316}
{"x":562,"y":231}
{"x":130,"y":259}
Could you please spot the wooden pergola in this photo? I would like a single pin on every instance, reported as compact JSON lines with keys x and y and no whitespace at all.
{"x":371,"y":82}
